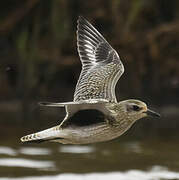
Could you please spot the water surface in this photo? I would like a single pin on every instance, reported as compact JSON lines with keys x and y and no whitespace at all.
{"x":131,"y":156}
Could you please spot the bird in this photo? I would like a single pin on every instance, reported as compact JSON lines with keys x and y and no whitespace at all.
{"x":94,"y":115}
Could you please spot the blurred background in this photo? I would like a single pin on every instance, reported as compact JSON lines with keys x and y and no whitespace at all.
{"x":39,"y":62}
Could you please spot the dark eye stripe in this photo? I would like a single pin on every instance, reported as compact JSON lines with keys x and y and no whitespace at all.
{"x":136,"y":108}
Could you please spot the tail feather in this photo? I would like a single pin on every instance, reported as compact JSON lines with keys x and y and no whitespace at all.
{"x":42,"y":136}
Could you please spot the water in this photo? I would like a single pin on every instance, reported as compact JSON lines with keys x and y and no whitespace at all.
{"x":130,"y":157}
{"x":118,"y":159}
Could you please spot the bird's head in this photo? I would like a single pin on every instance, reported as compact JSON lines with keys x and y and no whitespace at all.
{"x":134,"y":109}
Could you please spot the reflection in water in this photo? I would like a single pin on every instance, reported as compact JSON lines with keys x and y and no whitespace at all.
{"x":76,"y":149}
{"x":156,"y":173}
{"x":133,"y":147}
{"x":20,"y":162}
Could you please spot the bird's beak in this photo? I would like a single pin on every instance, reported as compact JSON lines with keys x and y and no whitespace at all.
{"x":152,"y":113}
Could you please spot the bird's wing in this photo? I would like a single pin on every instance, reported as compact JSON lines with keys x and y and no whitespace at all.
{"x":55,"y":104}
{"x":63,"y":104}
{"x":101,"y":65}
{"x":75,"y":107}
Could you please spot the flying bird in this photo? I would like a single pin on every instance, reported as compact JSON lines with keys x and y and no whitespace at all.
{"x":94,"y":115}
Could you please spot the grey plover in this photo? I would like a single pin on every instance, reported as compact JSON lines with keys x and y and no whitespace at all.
{"x":94,"y":115}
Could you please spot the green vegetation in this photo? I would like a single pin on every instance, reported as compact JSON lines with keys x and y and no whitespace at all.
{"x":38,"y":47}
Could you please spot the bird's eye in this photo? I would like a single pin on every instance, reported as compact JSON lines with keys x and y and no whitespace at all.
{"x":136,"y":108}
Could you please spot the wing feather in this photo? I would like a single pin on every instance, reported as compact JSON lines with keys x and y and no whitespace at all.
{"x":101,"y":65}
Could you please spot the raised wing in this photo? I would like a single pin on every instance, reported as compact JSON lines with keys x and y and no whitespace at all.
{"x":101,"y":65}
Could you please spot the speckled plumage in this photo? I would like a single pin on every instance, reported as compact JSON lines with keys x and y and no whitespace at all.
{"x":101,"y":65}
{"x":94,"y":115}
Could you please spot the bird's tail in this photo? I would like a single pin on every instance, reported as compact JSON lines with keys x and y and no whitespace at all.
{"x":45,"y":135}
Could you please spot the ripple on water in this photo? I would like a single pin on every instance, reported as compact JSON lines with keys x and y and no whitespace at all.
{"x":35,"y":151}
{"x":7,"y":151}
{"x":76,"y":149}
{"x":157,"y":174}
{"x":20,"y":162}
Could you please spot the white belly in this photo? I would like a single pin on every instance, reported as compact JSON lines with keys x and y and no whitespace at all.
{"x":92,"y":134}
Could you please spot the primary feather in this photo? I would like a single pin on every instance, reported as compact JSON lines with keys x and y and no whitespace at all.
{"x":101,"y":65}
